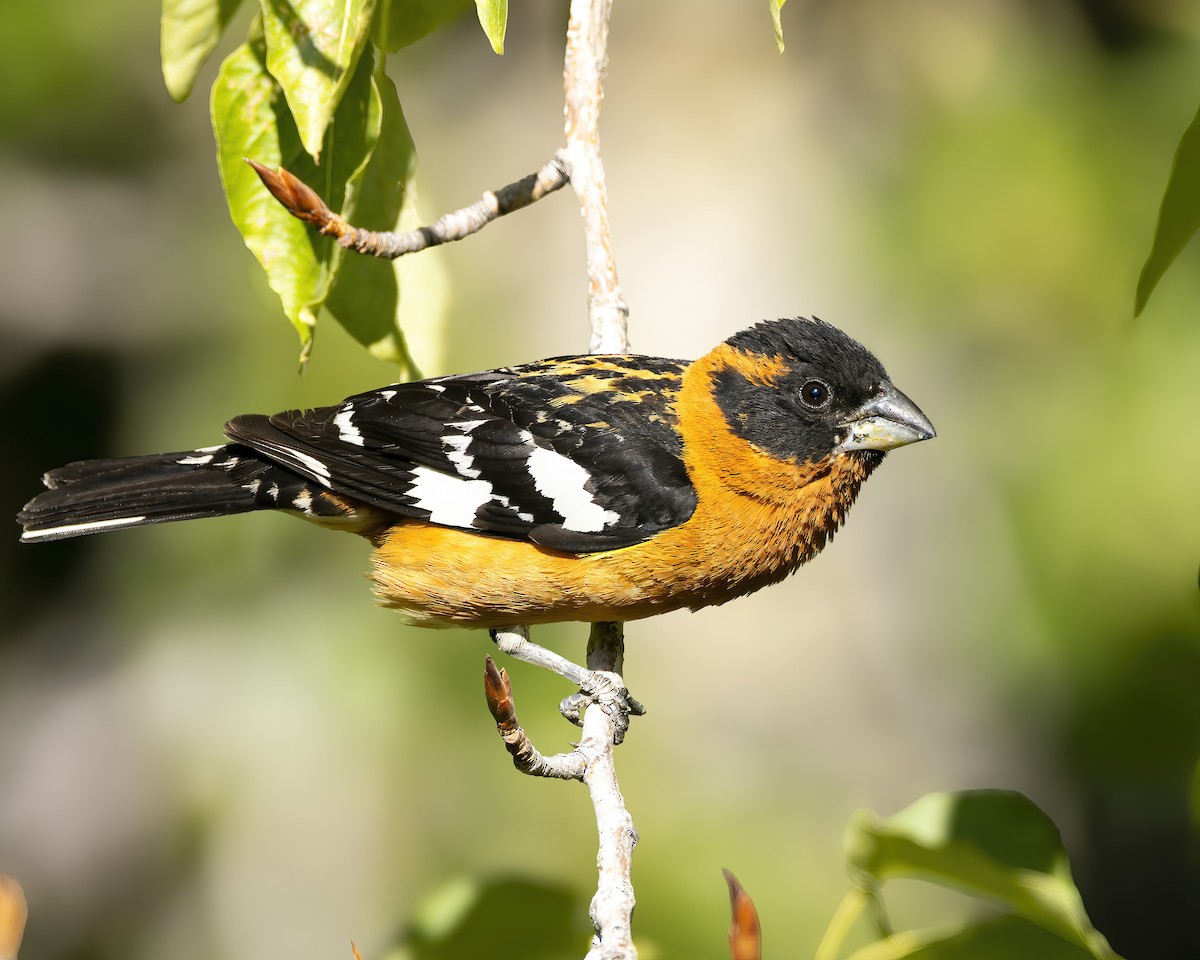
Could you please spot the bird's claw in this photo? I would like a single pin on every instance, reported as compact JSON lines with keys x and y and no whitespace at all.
{"x":606,"y":691}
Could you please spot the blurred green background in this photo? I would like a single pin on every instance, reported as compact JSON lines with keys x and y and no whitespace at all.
{"x":213,"y":746}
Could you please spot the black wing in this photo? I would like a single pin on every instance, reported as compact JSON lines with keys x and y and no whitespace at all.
{"x":576,"y":453}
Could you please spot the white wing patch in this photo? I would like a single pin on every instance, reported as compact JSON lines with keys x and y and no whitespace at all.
{"x":451,"y":501}
{"x":564,"y":481}
{"x":455,"y":446}
{"x":456,"y":453}
{"x":347,"y":431}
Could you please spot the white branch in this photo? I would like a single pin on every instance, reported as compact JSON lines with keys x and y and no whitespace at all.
{"x":612,"y":906}
{"x":592,"y":762}
{"x":583,"y":84}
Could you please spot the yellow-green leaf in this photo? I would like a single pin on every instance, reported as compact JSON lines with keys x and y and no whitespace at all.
{"x":1001,"y":938}
{"x":313,"y":47}
{"x":489,"y":917}
{"x":493,"y":17}
{"x":190,"y":31}
{"x":251,"y":119}
{"x":366,"y":294}
{"x":1178,"y":217}
{"x":776,"y":21}
{"x":991,"y":843}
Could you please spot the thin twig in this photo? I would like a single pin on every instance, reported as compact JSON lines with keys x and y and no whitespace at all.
{"x":515,"y":642}
{"x":612,"y":906}
{"x":302,"y":202}
{"x":526,"y":757}
{"x":592,"y":762}
{"x":583,"y":83}
{"x":599,"y":685}
{"x":583,"y":86}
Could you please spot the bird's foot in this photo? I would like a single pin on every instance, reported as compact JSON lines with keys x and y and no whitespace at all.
{"x":607,"y":691}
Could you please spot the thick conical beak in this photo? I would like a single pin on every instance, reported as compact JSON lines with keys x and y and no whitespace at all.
{"x":885,"y":421}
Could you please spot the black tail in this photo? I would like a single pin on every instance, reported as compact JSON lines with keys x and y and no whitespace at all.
{"x":96,"y":495}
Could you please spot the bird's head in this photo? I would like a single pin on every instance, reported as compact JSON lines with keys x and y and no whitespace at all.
{"x":803,"y":391}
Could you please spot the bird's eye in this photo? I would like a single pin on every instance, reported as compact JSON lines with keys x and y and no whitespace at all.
{"x":816,"y":394}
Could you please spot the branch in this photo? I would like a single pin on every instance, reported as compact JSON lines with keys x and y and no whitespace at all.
{"x":583,"y":87}
{"x":591,"y":762}
{"x":302,"y":202}
{"x":526,"y":757}
{"x":612,"y":906}
{"x":583,"y":83}
{"x":583,"y":69}
{"x":578,"y":162}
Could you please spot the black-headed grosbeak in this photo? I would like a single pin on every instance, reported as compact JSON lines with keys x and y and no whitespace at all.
{"x":591,"y":488}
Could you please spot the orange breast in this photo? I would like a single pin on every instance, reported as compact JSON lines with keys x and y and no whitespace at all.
{"x":756,"y":520}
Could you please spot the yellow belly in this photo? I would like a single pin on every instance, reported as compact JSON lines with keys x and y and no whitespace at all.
{"x":438,"y":576}
{"x":756,"y":520}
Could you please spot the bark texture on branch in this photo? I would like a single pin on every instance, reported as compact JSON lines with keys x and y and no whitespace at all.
{"x":302,"y":202}
{"x":583,"y":86}
{"x":591,"y":762}
{"x":583,"y":72}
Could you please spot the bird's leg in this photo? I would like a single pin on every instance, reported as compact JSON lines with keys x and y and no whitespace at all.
{"x":601,"y":685}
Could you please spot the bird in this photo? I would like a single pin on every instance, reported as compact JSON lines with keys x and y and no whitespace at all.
{"x":589,"y":488}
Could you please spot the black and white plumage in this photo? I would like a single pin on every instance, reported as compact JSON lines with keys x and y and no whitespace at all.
{"x":590,"y":488}
{"x":576,"y":454}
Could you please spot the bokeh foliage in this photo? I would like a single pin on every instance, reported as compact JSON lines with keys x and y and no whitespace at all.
{"x":206,"y":730}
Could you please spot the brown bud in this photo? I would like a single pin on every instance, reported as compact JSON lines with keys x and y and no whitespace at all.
{"x":498,"y":690}
{"x":299,"y":199}
{"x":745,"y":936}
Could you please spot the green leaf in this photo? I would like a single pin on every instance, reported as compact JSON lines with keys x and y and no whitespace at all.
{"x":776,"y":21}
{"x":401,"y":22}
{"x":991,"y":843}
{"x":491,"y":918}
{"x":1178,"y":217}
{"x":313,"y":47}
{"x":493,"y":17}
{"x":251,"y":119}
{"x":365,"y":296}
{"x":190,"y":31}
{"x":1001,"y":938}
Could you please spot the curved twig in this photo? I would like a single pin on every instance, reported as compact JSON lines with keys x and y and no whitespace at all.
{"x":302,"y":202}
{"x":526,"y":757}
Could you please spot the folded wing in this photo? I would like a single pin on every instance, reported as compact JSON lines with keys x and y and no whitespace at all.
{"x":578,"y":454}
